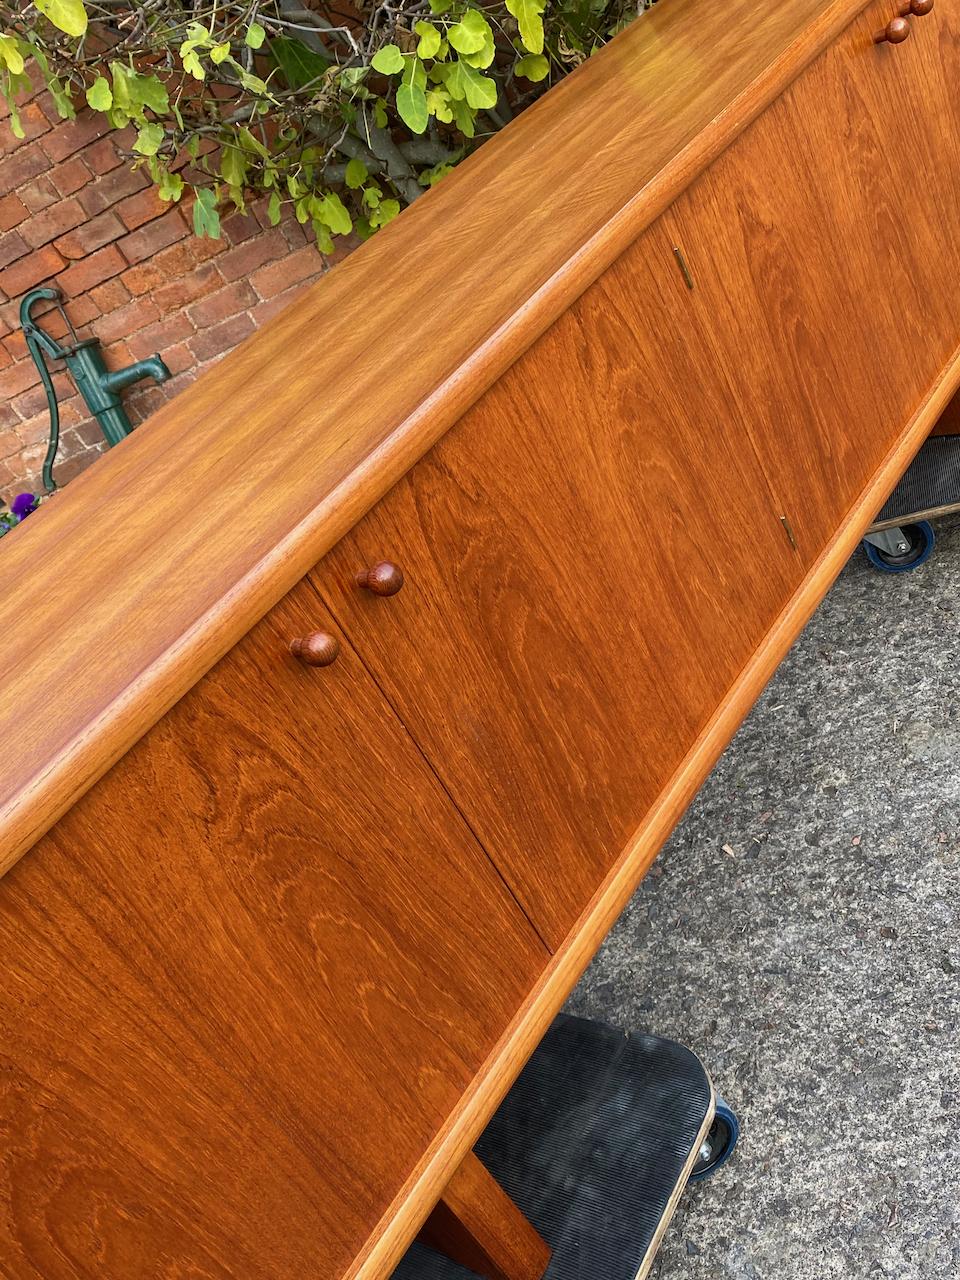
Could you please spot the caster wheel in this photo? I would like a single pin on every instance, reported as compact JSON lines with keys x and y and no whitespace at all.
{"x":921,"y":541}
{"x":719,"y":1143}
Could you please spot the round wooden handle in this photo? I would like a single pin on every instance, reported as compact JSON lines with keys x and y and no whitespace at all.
{"x":318,"y":649}
{"x":919,"y":9}
{"x":895,"y":32}
{"x":384,"y":579}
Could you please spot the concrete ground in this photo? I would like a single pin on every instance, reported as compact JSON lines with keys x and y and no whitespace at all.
{"x":801,"y":932}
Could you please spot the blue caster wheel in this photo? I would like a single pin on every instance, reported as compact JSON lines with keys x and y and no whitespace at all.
{"x":719,"y":1143}
{"x":920,"y":542}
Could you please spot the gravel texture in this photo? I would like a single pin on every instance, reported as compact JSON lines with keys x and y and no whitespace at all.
{"x":801,"y":932}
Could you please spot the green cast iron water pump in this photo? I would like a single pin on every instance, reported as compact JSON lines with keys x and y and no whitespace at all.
{"x":99,"y":386}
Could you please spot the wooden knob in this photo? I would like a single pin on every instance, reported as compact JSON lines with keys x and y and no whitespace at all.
{"x":384,"y":579}
{"x":318,"y":649}
{"x":919,"y":8}
{"x":895,"y":32}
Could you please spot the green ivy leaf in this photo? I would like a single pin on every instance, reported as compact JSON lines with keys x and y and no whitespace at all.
{"x":255,"y":35}
{"x":471,"y":33}
{"x":67,"y":15}
{"x":331,"y":210}
{"x":250,"y":142}
{"x":170,"y":186}
{"x":206,"y":220}
{"x":430,"y":40}
{"x":385,"y":212}
{"x":465,"y":83}
{"x":233,"y":165}
{"x":100,"y":95}
{"x":464,"y":118}
{"x":220,"y":53}
{"x":527,"y":14}
{"x":273,"y":209}
{"x":356,"y":174}
{"x":438,"y":104}
{"x":440,"y":6}
{"x":412,"y":107}
{"x":10,"y":54}
{"x":299,"y":65}
{"x":149,"y":139}
{"x":388,"y":60}
{"x":533,"y":67}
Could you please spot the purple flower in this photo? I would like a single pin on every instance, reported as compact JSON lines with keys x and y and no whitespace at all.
{"x":23,"y":504}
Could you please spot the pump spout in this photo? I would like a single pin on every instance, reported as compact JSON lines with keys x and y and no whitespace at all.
{"x":118,"y":379}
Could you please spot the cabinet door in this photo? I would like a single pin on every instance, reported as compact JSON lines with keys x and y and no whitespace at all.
{"x":823,"y":246}
{"x":246,"y":981}
{"x":591,"y":555}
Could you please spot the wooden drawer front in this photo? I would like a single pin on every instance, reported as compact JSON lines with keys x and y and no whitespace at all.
{"x":824,"y":246}
{"x":590,"y":557}
{"x":245,"y":982}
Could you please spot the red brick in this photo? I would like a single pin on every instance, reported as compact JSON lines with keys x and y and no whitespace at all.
{"x":28,"y":271}
{"x":239,"y":227}
{"x":32,"y":408}
{"x":142,"y":207}
{"x":245,"y":258}
{"x":157,"y":337}
{"x":32,"y":121}
{"x":170,"y":264}
{"x":153,"y":237}
{"x":222,"y":337}
{"x":17,"y":379}
{"x":111,"y":189}
{"x":72,"y":411}
{"x":266,"y":311}
{"x":127,"y":320}
{"x":59,"y":218}
{"x":79,"y":310}
{"x":49,"y":108}
{"x":23,"y":166}
{"x":70,"y":176}
{"x":70,"y":136}
{"x":8,"y":418}
{"x":12,"y":247}
{"x":111,"y":295}
{"x":89,"y":272}
{"x":15,"y":346}
{"x":178,"y":359}
{"x":6,"y":358}
{"x":74,"y":463}
{"x":294,"y":268}
{"x":103,"y":156}
{"x":198,"y":283}
{"x":9,"y":444}
{"x":88,"y":430}
{"x":223,"y":304}
{"x":91,"y":235}
{"x":12,"y":212}
{"x":39,"y":195}
{"x":294,"y":234}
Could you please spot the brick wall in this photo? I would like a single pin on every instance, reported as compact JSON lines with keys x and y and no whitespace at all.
{"x":73,"y":214}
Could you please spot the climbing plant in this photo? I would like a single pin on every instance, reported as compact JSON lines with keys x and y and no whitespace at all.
{"x":344,"y":110}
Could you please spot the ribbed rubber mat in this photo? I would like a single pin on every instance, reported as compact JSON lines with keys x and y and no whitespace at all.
{"x":932,"y":480}
{"x":591,"y":1142}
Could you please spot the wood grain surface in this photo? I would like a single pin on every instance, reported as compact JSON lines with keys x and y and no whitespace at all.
{"x":246,"y":981}
{"x":579,"y":587}
{"x":477,"y":1224}
{"x":822,"y":292}
{"x":220,"y":503}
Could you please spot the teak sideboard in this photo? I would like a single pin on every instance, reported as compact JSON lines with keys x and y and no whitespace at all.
{"x":312,"y":861}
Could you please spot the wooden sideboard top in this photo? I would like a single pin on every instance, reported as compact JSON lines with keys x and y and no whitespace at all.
{"x":118,"y":595}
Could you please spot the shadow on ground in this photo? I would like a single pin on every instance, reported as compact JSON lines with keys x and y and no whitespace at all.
{"x":801,"y":932}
